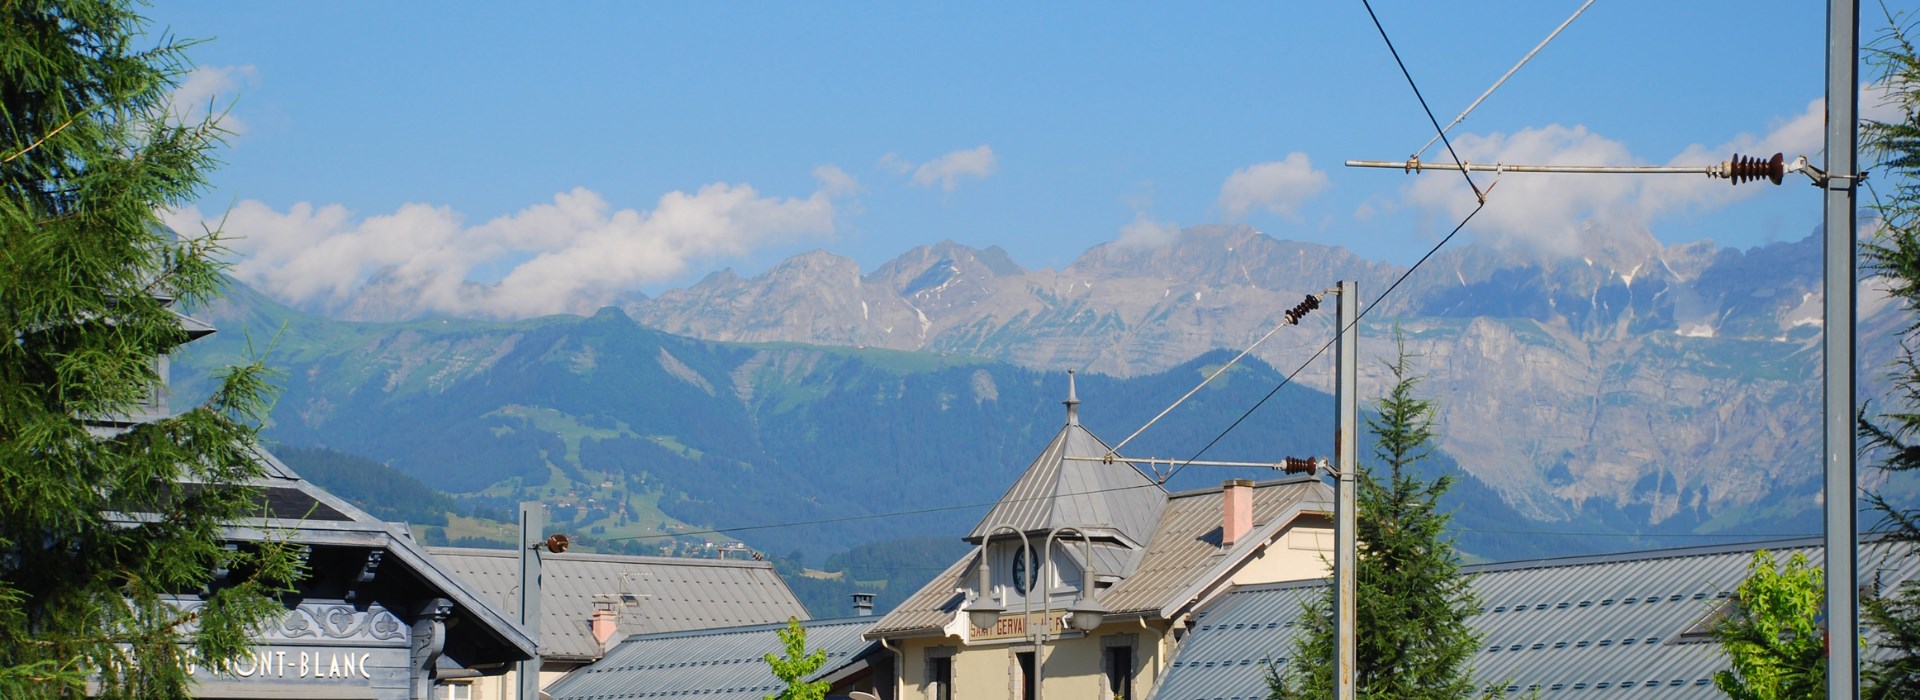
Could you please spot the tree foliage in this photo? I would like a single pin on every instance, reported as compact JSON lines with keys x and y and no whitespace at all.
{"x":1893,"y":434}
{"x":1772,"y":634}
{"x":794,"y":668}
{"x":1412,"y":605}
{"x":98,"y":533}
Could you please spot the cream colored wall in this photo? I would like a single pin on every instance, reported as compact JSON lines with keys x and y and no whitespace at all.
{"x":506,"y":685}
{"x":1071,"y":667}
{"x":1298,"y":553}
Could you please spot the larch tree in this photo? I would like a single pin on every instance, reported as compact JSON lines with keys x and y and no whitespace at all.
{"x":1891,"y":431}
{"x":107,"y":515}
{"x":1413,"y":604}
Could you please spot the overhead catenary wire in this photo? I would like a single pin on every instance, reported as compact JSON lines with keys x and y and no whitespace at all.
{"x":1503,"y":79}
{"x":1290,"y":317}
{"x":1480,"y":196}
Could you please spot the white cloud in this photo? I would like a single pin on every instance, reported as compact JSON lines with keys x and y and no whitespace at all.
{"x":211,"y":90}
{"x":1546,"y":209}
{"x":946,"y":171}
{"x":571,"y":255}
{"x":1278,"y":186}
{"x":1144,"y":232}
{"x":1542,"y":209}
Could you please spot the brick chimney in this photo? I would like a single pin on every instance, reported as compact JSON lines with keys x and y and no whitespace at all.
{"x":606,"y":622}
{"x":1236,"y":500}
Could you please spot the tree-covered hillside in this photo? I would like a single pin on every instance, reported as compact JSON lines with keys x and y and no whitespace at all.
{"x":644,"y":441}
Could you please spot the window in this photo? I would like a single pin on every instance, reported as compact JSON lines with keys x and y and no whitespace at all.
{"x":1026,"y":674}
{"x":1120,"y":672}
{"x":1026,"y":570}
{"x":454,"y":691}
{"x":940,"y":678}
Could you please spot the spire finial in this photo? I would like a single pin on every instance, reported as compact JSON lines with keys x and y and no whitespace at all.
{"x":1072,"y":402}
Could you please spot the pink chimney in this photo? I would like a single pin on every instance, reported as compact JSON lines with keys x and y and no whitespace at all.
{"x":1236,"y":498}
{"x":606,"y":622}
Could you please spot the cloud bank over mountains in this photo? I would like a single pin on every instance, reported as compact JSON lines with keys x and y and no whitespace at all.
{"x":571,"y":255}
{"x":579,"y":251}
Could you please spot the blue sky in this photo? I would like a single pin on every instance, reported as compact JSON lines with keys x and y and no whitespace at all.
{"x":571,"y":152}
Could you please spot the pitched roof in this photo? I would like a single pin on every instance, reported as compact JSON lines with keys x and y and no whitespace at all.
{"x":301,"y":512}
{"x":669,"y":594}
{"x":1107,"y":499}
{"x":1182,"y":557}
{"x":1587,"y":627}
{"x":720,"y":664}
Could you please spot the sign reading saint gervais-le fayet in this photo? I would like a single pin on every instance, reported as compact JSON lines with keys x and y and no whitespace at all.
{"x":1016,"y":626}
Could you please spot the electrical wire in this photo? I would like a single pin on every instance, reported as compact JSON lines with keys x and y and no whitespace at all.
{"x":1323,"y":348}
{"x":1290,"y":318}
{"x":1423,"y":102}
{"x":1503,"y":79}
{"x":1479,"y":195}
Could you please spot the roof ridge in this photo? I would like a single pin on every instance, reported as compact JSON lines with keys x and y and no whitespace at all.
{"x":1282,"y":481}
{"x":744,"y":629}
{"x":604,"y":557}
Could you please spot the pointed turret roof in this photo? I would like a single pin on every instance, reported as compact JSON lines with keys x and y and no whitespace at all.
{"x":1107,"y":500}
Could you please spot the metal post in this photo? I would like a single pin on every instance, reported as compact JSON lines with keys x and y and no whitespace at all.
{"x":1346,"y":446}
{"x":1843,"y":625}
{"x":532,"y":523}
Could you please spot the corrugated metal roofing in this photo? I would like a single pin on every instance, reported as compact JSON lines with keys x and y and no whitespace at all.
{"x":1186,"y":546}
{"x":672,"y":594}
{"x":1183,"y":548}
{"x":1591,"y":627}
{"x":1056,"y":492}
{"x":721,"y":664}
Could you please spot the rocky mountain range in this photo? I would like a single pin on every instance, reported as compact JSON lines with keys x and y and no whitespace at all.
{"x":1677,"y":384}
{"x":1621,"y":382}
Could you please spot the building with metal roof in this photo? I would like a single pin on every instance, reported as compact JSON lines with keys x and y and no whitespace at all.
{"x":368,"y":617}
{"x":1626,"y":625}
{"x":727,"y":664}
{"x":589,"y":602}
{"x":1080,"y":530}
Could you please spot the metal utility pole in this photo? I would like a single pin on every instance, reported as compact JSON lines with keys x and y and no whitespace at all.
{"x":1842,"y":526}
{"x":1346,"y":445}
{"x":533,"y":517}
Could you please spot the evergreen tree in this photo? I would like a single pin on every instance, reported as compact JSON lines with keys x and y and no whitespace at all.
{"x":1412,"y":604}
{"x":1893,"y":435}
{"x":1772,"y":636}
{"x":97,"y":532}
{"x":794,"y":668}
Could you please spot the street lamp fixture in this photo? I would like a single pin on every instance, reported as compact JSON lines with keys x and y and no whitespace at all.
{"x":1086,"y":614}
{"x":981,"y":611}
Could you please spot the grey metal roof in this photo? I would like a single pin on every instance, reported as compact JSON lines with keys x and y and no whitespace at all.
{"x":1105,"y":498}
{"x":670,"y":594}
{"x":1182,"y":555}
{"x":1591,"y":627}
{"x":719,"y":663}
{"x":291,"y":503}
{"x":1185,"y":551}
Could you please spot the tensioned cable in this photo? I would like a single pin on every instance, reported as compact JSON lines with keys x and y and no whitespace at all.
{"x":1480,"y":196}
{"x":1323,"y":348}
{"x":1423,"y":104}
{"x":1439,"y":133}
{"x":1503,"y":79}
{"x":1284,"y":322}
